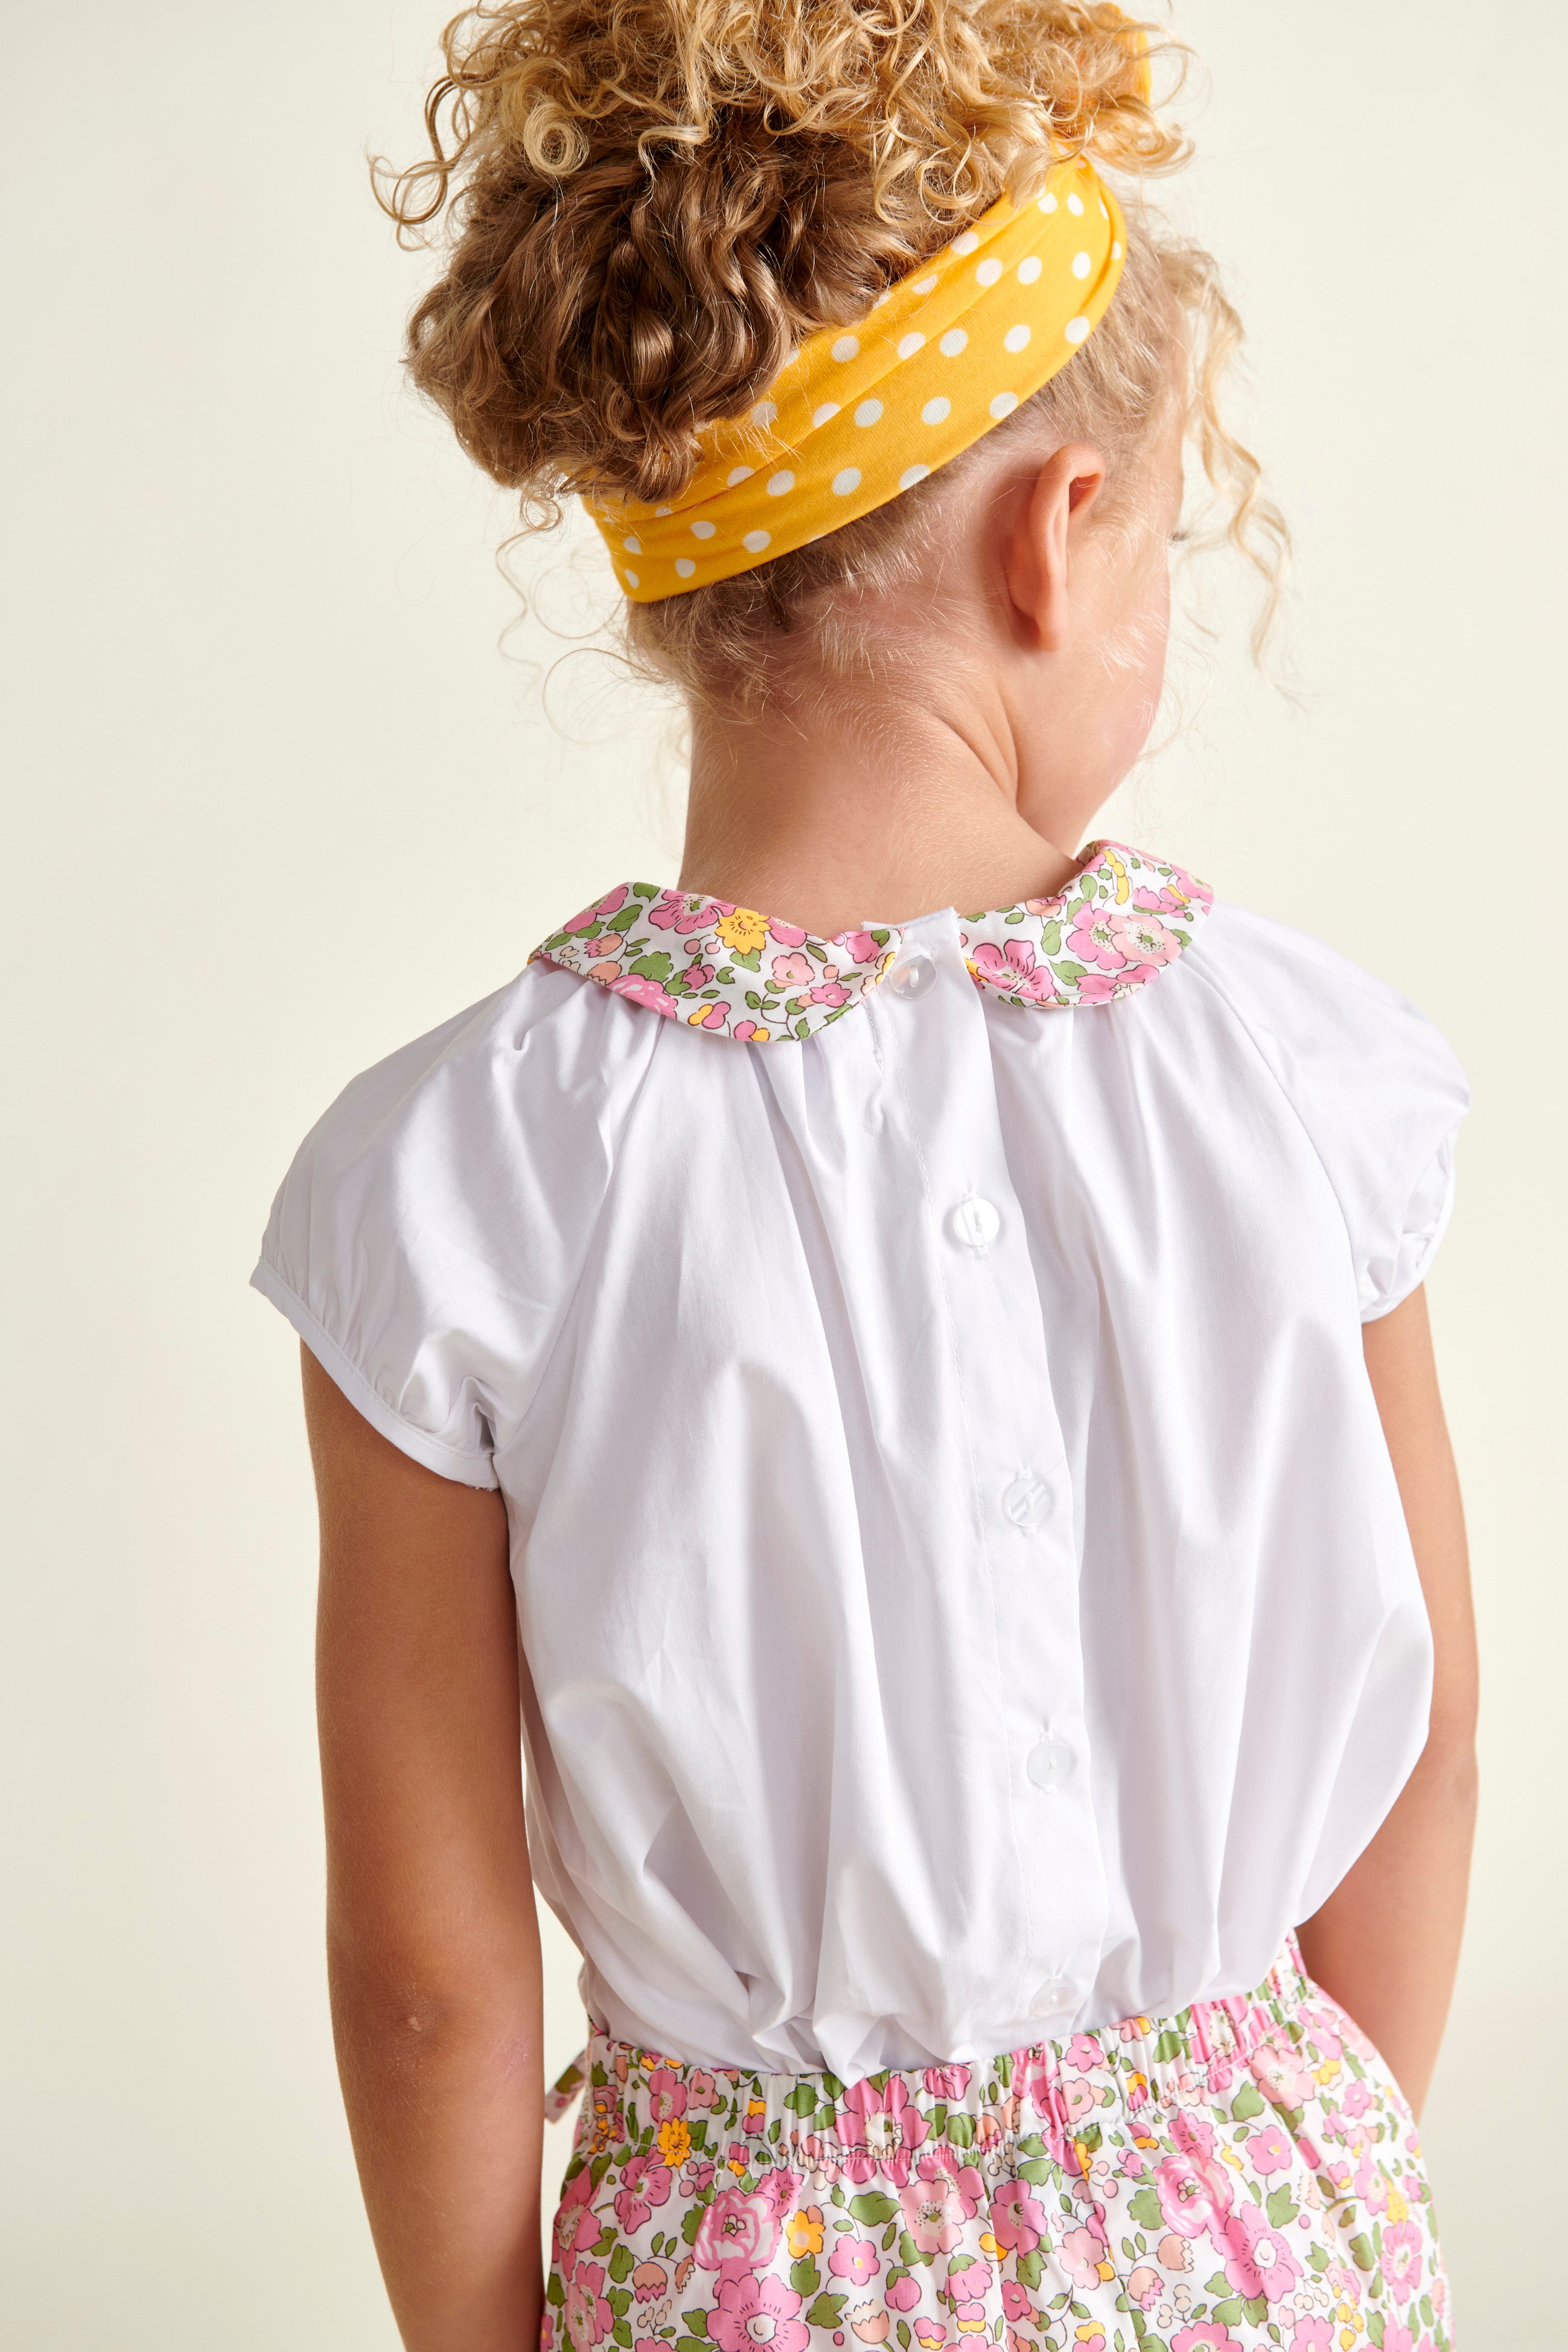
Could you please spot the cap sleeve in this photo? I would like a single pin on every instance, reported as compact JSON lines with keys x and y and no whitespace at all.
{"x":1376,"y":1087}
{"x":426,"y":1241}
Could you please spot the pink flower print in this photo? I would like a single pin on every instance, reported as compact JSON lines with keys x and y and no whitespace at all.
{"x":1280,"y":2076}
{"x":649,"y":2280}
{"x":869,"y":2322}
{"x":738,"y":2229}
{"x":1401,"y":2258}
{"x":859,"y":946}
{"x":949,"y":2083}
{"x":1269,"y":2149}
{"x":744,"y":1029}
{"x":588,"y":2316}
{"x":699,"y":976}
{"x":929,"y":2334}
{"x":644,"y":2183}
{"x":781,"y":2185}
{"x":788,"y":935}
{"x":1083,"y":2053}
{"x":757,"y":2311}
{"x":604,"y":972}
{"x":970,"y":2317}
{"x":879,"y":2130}
{"x":700,"y":2088}
{"x":942,"y":2163}
{"x":1323,"y":2033}
{"x":969,"y":2280}
{"x":855,"y":2259}
{"x":673,"y":911}
{"x":792,"y":971}
{"x":1162,"y":901}
{"x":666,"y":2095}
{"x":645,"y":992}
{"x":1144,"y":938}
{"x":1013,"y":971}
{"x":1209,"y":2336}
{"x":1017,"y":2223}
{"x":1175,"y":2252}
{"x":1096,"y":938}
{"x":933,"y":2214}
{"x":1396,"y":2339}
{"x":829,"y":990}
{"x":1144,"y":2286}
{"x":1078,"y":2098}
{"x":1134,"y":2163}
{"x":608,"y":943}
{"x":1082,"y":2253}
{"x":1257,"y":2259}
{"x":755,"y":2117}
{"x":697,"y":2176}
{"x":1313,"y":2336}
{"x":599,"y":913}
{"x":574,"y":2226}
{"x":1343,"y":2283}
{"x":1195,"y":2196}
{"x":1356,"y":2100}
{"x":1105,"y":987}
{"x":904,"y":2294}
{"x":712,"y":1017}
{"x":1015,"y":2304}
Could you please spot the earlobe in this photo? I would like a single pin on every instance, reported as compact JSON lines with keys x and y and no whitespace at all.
{"x":1039,"y":552}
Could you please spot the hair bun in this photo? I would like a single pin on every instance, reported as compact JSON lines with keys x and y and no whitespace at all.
{"x":649,"y":203}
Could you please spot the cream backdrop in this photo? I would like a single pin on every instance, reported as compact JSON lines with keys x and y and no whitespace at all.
{"x":277,"y":803}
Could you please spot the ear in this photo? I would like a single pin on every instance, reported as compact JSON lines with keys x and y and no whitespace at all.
{"x":1037,"y":559}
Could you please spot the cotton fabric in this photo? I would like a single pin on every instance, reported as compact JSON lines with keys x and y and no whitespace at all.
{"x":860,"y":413}
{"x":963,"y":1588}
{"x":1242,"y":2178}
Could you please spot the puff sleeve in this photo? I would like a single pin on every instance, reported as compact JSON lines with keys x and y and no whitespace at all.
{"x":1377,"y":1088}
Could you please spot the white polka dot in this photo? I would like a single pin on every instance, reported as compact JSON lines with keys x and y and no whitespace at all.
{"x":632,"y":546}
{"x":1004,"y":403}
{"x":1015,"y":337}
{"x":1075,"y":203}
{"x":703,"y":530}
{"x":925,"y":285}
{"x":755,"y":540}
{"x":1076,"y":329}
{"x":737,"y":474}
{"x":1048,"y":203}
{"x":1082,"y":264}
{"x":849,"y":479}
{"x":685,"y":566}
{"x":911,"y":475}
{"x":966,"y":243}
{"x":868,"y":412}
{"x":885,"y":296}
{"x":909,"y":345}
{"x":764,"y":412}
{"x":664,"y":510}
{"x":936,"y":411}
{"x":632,"y":580}
{"x":1029,"y":269}
{"x":845,"y":347}
{"x":953,"y":342}
{"x":989,"y":271}
{"x":1103,"y":214}
{"x":826,"y":414}
{"x":1116,"y":253}
{"x":778,"y":484}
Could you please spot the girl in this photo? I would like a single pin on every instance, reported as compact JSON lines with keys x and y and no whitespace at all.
{"x":927,"y":1414}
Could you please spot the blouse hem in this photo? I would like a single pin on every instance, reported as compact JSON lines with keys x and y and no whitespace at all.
{"x":447,"y":1461}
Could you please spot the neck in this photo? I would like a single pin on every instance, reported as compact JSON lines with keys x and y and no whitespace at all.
{"x":878,"y":811}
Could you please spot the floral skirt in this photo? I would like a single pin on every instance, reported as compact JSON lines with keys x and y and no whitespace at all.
{"x":1243,"y":2174}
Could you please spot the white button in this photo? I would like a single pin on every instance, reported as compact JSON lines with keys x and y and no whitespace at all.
{"x":1049,"y":1763}
{"x":1055,"y":1994}
{"x":911,"y":976}
{"x":974,"y":1224}
{"x":1027,"y":1502}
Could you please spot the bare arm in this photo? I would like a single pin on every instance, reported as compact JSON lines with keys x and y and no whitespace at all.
{"x":1386,"y":1942}
{"x":432,"y":1937}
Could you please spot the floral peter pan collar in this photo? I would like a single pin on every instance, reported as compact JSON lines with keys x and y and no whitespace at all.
{"x":1120,"y":920}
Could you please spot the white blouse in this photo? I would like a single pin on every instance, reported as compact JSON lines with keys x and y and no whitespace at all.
{"x":963,"y":1588}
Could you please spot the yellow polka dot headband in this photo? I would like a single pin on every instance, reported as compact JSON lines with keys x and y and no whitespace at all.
{"x":856,"y":416}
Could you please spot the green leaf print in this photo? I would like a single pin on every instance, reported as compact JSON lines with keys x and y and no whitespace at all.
{"x":620,"y":2300}
{"x":871,"y":2207}
{"x":752,"y":958}
{"x":1281,"y":2209}
{"x":1361,"y":2254}
{"x":1146,"y":2210}
{"x":1089,"y":2137}
{"x":1037,"y":2174}
{"x":555,"y":2293}
{"x":1069,"y":971}
{"x":605,"y":2241}
{"x":1256,"y":2308}
{"x":623,"y":920}
{"x":1218,"y":2284}
{"x":622,"y":2263}
{"x":904,"y":2333}
{"x":1033,"y":2146}
{"x":1029,"y":2267}
{"x":1374,"y":2329}
{"x":697,"y":2321}
{"x":1169,"y":2045}
{"x":825,"y":2311}
{"x":690,"y":2222}
{"x":1247,"y":2102}
{"x":754,"y":1005}
{"x":1228,"y":2312}
{"x":960,"y":2131}
{"x":805,"y":2277}
{"x":658,"y":966}
{"x":621,"y":2334}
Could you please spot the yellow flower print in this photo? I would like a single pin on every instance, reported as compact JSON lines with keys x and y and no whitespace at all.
{"x":991,"y":2246}
{"x":804,"y":2231}
{"x":1117,"y":868}
{"x":1398,"y":2207}
{"x":1092,"y":2337}
{"x":756,"y":2107}
{"x":1228,"y":2155}
{"x":742,"y":930}
{"x":1327,"y":2072}
{"x":674,"y":2142}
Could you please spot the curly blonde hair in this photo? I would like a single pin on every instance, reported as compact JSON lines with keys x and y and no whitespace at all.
{"x":648,"y":204}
